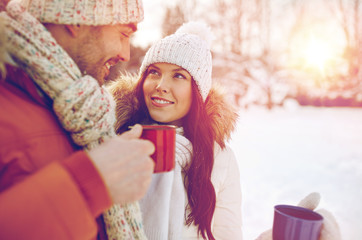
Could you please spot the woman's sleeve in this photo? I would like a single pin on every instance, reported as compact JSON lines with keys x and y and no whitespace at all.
{"x":227,"y":216}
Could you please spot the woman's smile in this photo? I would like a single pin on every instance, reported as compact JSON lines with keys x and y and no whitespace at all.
{"x":167,"y":92}
{"x":161,"y":102}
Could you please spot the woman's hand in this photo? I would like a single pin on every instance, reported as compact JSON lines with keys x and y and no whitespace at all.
{"x":330,"y":229}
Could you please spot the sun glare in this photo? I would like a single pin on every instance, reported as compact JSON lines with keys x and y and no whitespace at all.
{"x":316,"y":50}
{"x":317,"y":53}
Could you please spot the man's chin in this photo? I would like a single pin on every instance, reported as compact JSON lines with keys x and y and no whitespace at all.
{"x":99,"y":77}
{"x":114,"y":72}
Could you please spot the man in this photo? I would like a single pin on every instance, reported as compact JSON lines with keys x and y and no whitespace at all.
{"x":61,"y":165}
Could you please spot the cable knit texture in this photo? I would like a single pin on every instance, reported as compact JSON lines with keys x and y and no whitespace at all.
{"x":83,"y":108}
{"x":86,"y":12}
{"x":188,"y":48}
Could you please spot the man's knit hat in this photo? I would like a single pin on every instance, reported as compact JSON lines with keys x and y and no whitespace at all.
{"x":85,"y":12}
{"x":189,"y":48}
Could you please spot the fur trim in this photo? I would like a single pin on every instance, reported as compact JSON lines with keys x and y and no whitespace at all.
{"x":2,"y":49}
{"x":223,"y":115}
{"x":123,"y":91}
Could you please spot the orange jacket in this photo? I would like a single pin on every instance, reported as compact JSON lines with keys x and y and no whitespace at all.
{"x":49,"y":189}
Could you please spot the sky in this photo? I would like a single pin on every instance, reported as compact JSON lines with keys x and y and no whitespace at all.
{"x":149,"y":29}
{"x":316,"y":47}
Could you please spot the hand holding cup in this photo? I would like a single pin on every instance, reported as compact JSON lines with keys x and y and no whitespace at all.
{"x":296,"y":223}
{"x":330,"y":229}
{"x":164,"y":139}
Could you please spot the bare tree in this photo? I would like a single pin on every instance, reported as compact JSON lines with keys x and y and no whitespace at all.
{"x":174,"y":18}
{"x":349,"y":12}
{"x":243,"y":30}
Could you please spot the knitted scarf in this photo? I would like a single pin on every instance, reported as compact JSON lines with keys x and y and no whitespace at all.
{"x":163,"y":206}
{"x":84,"y":109}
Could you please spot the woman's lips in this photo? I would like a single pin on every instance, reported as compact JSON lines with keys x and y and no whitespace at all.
{"x":160,"y":102}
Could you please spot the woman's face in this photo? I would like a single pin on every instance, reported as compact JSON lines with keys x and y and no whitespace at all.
{"x":167,"y":93}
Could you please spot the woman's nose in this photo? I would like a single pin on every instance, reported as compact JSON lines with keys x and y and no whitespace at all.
{"x":162,"y":86}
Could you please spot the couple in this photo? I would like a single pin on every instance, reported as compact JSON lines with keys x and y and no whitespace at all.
{"x":65,"y":174}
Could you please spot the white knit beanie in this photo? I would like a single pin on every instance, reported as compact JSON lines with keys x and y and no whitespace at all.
{"x":189,"y":48}
{"x":85,"y":12}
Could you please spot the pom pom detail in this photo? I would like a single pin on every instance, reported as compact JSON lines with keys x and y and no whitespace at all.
{"x":199,"y":29}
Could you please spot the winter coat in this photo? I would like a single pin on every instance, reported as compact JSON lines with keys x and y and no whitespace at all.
{"x":49,"y":188}
{"x":225,"y":176}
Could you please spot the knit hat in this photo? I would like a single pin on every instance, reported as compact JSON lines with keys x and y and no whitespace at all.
{"x":189,"y":48}
{"x":85,"y":12}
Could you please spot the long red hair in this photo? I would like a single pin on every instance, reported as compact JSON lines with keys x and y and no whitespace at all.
{"x":198,"y":130}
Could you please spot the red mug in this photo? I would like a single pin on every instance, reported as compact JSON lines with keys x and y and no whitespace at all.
{"x":164,"y":139}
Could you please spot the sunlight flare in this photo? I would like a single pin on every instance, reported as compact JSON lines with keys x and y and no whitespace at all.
{"x":317,"y":53}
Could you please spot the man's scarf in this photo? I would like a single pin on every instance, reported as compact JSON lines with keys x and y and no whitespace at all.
{"x":84,"y":109}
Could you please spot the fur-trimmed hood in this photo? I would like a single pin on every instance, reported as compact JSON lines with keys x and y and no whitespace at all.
{"x":2,"y":49}
{"x":222,"y":113}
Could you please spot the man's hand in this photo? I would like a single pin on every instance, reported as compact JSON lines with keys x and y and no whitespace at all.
{"x":125,"y":164}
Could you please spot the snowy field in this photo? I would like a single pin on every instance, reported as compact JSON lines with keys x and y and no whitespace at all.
{"x":285,"y":154}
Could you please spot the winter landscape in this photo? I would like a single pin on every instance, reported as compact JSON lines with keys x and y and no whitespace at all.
{"x":266,"y":53}
{"x":286,"y":153}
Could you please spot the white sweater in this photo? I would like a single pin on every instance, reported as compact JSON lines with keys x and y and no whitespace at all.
{"x":163,"y":207}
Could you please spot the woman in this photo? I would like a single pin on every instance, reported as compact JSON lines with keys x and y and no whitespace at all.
{"x":175,"y":87}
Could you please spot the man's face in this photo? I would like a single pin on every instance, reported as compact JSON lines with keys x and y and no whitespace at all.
{"x":103,"y":47}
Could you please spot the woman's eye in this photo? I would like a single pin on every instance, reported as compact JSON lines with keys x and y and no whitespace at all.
{"x":153,"y":72}
{"x":179,"y":75}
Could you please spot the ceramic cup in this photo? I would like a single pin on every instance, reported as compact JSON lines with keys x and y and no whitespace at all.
{"x":296,"y":223}
{"x":164,"y":139}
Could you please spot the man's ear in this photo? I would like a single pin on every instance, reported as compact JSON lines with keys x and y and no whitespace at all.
{"x":73,"y":29}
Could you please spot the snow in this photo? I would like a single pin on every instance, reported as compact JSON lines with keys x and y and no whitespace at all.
{"x":286,"y":153}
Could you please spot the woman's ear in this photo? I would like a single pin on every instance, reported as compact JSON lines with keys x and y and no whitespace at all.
{"x":73,"y":29}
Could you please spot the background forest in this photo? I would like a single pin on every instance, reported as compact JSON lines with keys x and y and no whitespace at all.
{"x":269,"y":52}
